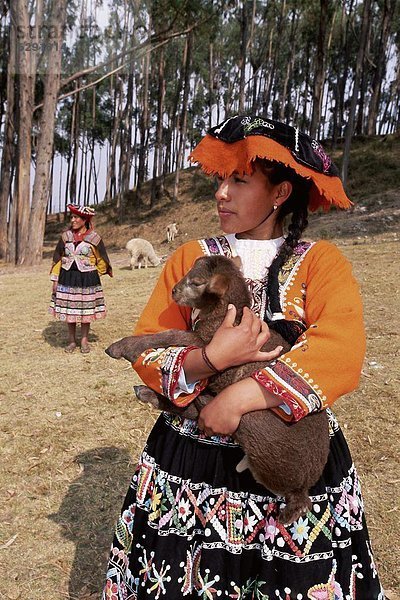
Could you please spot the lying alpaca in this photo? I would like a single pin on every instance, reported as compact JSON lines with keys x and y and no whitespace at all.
{"x":286,"y":458}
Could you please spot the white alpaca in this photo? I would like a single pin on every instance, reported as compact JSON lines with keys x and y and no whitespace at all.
{"x":172,"y":230}
{"x":142,"y":254}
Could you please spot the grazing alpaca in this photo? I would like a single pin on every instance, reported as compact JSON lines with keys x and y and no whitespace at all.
{"x":142,"y":253}
{"x":286,"y":458}
{"x":172,"y":231}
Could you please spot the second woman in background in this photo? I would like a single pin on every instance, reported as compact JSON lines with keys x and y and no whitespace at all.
{"x":79,"y":259}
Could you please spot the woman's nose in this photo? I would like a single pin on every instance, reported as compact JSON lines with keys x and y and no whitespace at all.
{"x":222,"y":191}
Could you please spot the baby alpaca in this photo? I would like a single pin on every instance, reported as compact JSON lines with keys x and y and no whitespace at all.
{"x":142,"y":254}
{"x":287,"y":459}
{"x":172,"y":231}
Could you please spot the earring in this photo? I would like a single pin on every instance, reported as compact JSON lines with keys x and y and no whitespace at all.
{"x":275,"y":206}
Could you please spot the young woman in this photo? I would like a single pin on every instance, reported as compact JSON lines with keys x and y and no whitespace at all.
{"x":78,"y":261}
{"x":191,"y":526}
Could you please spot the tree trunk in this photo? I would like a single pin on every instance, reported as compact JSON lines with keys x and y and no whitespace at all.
{"x":186,"y":69}
{"x":40,"y":193}
{"x":144,"y":131}
{"x":75,"y":132}
{"x":22,"y":192}
{"x":111,"y":174}
{"x":285,"y":98}
{"x":319,"y":69}
{"x":342,"y":77}
{"x":380,"y":59}
{"x":211,"y":95}
{"x":243,"y":56}
{"x":8,"y":154}
{"x":157,"y":183}
{"x":304,"y":123}
{"x":271,"y":77}
{"x":359,"y":65}
{"x":359,"y":126}
{"x":394,"y":87}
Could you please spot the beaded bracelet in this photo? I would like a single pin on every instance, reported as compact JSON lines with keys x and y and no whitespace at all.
{"x":208,"y":361}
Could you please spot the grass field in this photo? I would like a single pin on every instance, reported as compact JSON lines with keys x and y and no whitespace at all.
{"x":71,"y":428}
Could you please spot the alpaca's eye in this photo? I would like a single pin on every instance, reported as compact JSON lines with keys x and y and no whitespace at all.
{"x":197,"y":282}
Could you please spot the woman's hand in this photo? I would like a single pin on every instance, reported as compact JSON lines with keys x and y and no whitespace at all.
{"x":222,"y":414}
{"x":236,"y":345}
{"x":54,"y":287}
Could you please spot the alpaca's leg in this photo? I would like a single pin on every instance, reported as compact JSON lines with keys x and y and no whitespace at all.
{"x":243,"y":464}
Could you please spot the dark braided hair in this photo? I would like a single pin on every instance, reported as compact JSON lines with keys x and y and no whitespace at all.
{"x":297,"y":206}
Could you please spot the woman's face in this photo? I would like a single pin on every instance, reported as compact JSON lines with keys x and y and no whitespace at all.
{"x":77,"y":222}
{"x":244,"y":203}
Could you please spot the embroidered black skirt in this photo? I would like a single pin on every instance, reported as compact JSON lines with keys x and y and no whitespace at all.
{"x":192,"y":527}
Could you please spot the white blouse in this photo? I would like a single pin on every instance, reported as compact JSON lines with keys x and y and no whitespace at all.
{"x":256,"y":255}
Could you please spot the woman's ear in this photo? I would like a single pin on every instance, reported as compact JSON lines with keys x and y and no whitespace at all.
{"x":284,"y":189}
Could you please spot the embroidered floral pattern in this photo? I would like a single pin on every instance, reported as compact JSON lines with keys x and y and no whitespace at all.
{"x":198,"y":520}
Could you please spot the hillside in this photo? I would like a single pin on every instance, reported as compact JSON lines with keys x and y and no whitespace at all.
{"x":373,"y":186}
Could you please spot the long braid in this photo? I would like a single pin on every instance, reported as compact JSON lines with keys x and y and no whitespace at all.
{"x":297,"y":206}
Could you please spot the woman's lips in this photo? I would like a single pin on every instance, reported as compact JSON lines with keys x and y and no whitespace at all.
{"x":223,"y":212}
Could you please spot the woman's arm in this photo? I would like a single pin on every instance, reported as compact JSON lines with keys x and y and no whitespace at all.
{"x":100,"y":258}
{"x":56,"y":263}
{"x":222,"y":415}
{"x":326,"y":361}
{"x":159,"y":368}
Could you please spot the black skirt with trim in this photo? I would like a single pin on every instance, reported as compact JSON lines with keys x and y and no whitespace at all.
{"x":191,"y":526}
{"x":79,"y":297}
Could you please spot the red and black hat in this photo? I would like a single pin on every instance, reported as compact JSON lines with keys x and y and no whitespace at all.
{"x":234,"y":145}
{"x":85,"y":212}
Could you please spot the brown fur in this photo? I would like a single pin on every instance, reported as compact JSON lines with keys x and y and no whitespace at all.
{"x":286,"y":458}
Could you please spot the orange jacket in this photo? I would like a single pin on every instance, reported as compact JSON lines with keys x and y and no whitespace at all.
{"x":317,"y":288}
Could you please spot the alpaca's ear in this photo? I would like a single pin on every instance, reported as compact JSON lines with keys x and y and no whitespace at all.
{"x":238,"y":262}
{"x":218,"y":284}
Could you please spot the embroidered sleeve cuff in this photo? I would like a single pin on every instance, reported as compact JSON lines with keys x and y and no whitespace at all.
{"x":160,"y":368}
{"x":172,"y":368}
{"x":183,"y":387}
{"x":54,"y":278}
{"x":294,"y":390}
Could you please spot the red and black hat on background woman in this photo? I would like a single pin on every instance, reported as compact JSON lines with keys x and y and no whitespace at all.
{"x":234,"y":145}
{"x":85,"y":212}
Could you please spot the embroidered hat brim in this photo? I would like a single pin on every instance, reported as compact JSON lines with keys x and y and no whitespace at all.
{"x":85,"y":212}
{"x":234,"y":145}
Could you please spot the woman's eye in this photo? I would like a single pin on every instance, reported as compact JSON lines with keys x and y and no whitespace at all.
{"x":239,"y":180}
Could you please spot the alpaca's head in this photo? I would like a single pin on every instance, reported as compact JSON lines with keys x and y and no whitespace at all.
{"x":212,"y":281}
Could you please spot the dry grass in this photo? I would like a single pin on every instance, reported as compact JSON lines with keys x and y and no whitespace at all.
{"x":71,"y":429}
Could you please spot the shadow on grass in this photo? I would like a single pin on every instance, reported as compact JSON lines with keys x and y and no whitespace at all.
{"x":56,"y":334}
{"x":88,"y":514}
